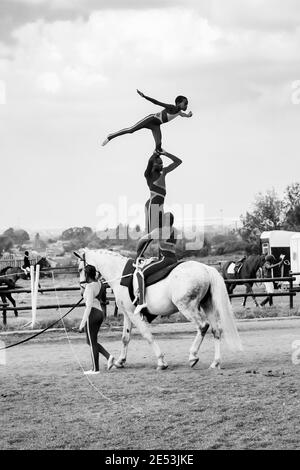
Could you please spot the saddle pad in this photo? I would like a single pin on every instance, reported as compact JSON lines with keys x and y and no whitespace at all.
{"x":230,"y":269}
{"x":149,"y":280}
{"x":152,"y":279}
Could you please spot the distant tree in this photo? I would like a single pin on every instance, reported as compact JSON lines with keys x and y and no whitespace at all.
{"x":292,"y":196}
{"x":292,"y":207}
{"x":6,"y":243}
{"x":268,"y":214}
{"x":19,"y":236}
{"x":76,"y":232}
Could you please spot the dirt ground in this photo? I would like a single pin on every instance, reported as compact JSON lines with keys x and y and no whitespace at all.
{"x":252,"y":403}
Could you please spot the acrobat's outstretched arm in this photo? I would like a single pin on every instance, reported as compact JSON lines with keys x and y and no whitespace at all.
{"x":187,"y":115}
{"x":176,"y":162}
{"x":154,"y":101}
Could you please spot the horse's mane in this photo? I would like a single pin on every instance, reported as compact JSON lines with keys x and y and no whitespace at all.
{"x":108,"y":252}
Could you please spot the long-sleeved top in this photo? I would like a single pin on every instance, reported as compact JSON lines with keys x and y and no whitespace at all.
{"x":91,"y":295}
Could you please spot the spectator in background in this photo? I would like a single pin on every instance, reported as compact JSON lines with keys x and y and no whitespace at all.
{"x":269,"y":264}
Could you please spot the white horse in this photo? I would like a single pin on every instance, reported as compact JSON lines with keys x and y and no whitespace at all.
{"x":196,"y":290}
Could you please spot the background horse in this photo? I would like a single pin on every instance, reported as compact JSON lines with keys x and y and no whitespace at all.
{"x":8,"y":278}
{"x":43,"y":263}
{"x":192,"y":288}
{"x":249,"y":268}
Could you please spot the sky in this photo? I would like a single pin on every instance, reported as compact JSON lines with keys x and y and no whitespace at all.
{"x":69,"y":70}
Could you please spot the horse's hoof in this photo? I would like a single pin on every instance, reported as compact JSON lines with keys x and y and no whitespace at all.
{"x":162,"y":367}
{"x":119,"y":365}
{"x":215,"y":366}
{"x":194,"y":361}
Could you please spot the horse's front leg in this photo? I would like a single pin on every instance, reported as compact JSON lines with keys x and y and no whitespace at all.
{"x":127,"y":327}
{"x":12,"y":300}
{"x":146,"y":333}
{"x":245,"y":298}
{"x":250,"y":291}
{"x":217,"y":340}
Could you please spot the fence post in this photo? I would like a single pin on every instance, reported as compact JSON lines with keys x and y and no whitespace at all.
{"x":291,"y":292}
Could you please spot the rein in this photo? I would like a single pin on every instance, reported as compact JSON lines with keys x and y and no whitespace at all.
{"x":45,"y":329}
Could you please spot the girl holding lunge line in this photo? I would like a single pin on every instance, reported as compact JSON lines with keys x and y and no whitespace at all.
{"x":154,"y":121}
{"x":92,"y":319}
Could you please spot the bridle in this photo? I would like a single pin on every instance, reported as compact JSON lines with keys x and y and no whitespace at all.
{"x":83,"y":259}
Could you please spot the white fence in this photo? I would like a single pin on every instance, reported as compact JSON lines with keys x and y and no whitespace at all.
{"x":14,"y":262}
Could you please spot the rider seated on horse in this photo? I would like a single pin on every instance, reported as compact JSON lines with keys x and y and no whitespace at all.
{"x":26,"y":264}
{"x":166,"y":236}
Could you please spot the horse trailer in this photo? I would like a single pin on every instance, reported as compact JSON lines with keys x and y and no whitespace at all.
{"x":276,"y":243}
{"x":295,"y":256}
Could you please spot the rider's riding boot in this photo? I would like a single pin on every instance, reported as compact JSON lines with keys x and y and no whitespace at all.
{"x":141,"y":284}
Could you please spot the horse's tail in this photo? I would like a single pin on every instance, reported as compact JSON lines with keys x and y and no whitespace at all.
{"x":222,"y":305}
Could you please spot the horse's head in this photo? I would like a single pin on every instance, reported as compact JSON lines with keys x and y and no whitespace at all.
{"x":81,"y":257}
{"x":44,"y":263}
{"x":110,"y":263}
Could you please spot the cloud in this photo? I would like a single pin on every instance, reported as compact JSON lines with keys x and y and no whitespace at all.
{"x":15,"y":13}
{"x":80,"y":55}
{"x":59,"y":54}
{"x":257,"y":15}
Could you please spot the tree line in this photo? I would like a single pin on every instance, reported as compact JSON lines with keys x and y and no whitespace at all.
{"x":269,"y":212}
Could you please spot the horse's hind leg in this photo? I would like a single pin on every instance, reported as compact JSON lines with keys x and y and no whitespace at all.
{"x":193,"y":356}
{"x":197,"y":316}
{"x":249,"y":290}
{"x":127,"y":327}
{"x":214,"y":320}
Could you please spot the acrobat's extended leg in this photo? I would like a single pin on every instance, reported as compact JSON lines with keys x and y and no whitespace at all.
{"x":149,"y":122}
